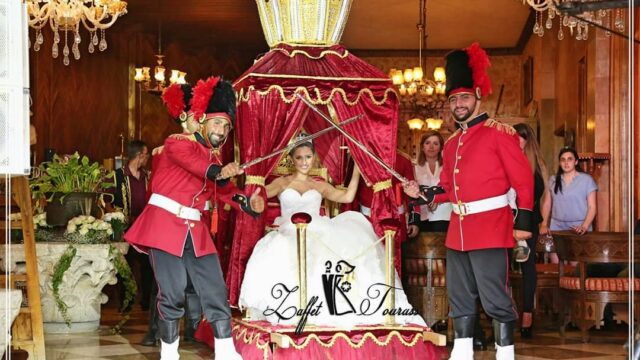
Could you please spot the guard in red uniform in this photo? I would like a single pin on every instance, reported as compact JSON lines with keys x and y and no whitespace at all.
{"x":171,"y":227}
{"x":404,"y":167}
{"x":482,"y":161}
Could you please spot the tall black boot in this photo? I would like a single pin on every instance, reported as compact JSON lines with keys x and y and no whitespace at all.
{"x":479,"y":340}
{"x":152,"y":336}
{"x":503,"y":333}
{"x":193,"y":314}
{"x":169,"y":331}
{"x":463,"y":327}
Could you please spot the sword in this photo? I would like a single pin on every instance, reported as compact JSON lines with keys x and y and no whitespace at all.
{"x":389,"y":169}
{"x":298,"y":142}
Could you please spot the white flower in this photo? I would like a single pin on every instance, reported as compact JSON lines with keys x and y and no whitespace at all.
{"x":105,"y":226}
{"x":83,"y":231}
{"x":71,"y":228}
{"x":109,"y":231}
{"x":90,"y":219}
{"x":107,"y":217}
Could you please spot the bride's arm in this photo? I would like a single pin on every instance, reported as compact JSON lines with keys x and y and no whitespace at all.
{"x":274,"y":188}
{"x":347,"y":195}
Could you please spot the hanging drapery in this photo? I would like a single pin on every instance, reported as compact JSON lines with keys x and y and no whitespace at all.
{"x":270,"y":114}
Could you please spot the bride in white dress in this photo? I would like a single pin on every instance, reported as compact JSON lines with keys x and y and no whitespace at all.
{"x":345,"y":259}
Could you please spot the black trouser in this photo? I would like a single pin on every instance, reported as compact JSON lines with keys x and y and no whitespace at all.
{"x":482,"y":273}
{"x":205,"y":273}
{"x":529,"y":275}
{"x":434,"y":226}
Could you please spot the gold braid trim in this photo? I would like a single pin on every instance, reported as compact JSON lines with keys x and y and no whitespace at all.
{"x":296,"y":76}
{"x":382,"y":185}
{"x":245,"y":94}
{"x":249,"y":339}
{"x":359,"y":344}
{"x":452,"y":135}
{"x":254,"y":180}
{"x":183,"y":137}
{"x":502,"y":127}
{"x":322,"y":54}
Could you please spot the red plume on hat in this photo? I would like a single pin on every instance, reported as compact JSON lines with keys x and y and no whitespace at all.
{"x":202,"y":93}
{"x":173,"y":98}
{"x":479,"y":63}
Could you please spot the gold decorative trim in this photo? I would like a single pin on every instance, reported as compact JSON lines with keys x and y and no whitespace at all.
{"x":255,"y":180}
{"x":251,"y":339}
{"x":244,"y":94}
{"x":382,"y":185}
{"x":322,"y":54}
{"x":296,"y":76}
{"x":502,"y":127}
{"x":452,"y":135}
{"x":356,"y":345}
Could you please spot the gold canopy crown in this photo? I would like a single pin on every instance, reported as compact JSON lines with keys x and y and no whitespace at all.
{"x":303,"y":22}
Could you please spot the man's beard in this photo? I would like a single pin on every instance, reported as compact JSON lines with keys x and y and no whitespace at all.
{"x":464,"y":117}
{"x":216,"y":140}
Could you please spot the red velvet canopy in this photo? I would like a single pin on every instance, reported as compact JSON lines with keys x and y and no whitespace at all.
{"x":270,"y":114}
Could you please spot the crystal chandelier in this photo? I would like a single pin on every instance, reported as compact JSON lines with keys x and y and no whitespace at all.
{"x":66,"y":16}
{"x":143,"y":75}
{"x":578,"y":25}
{"x":411,"y":83}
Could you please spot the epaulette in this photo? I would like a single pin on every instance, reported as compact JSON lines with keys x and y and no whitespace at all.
{"x":452,"y":136}
{"x":404,"y":155}
{"x":190,"y":137}
{"x":502,"y":127}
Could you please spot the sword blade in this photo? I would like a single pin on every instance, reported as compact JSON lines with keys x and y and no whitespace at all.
{"x":354,"y":141}
{"x":298,"y":142}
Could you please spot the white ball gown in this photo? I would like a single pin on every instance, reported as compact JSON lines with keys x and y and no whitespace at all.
{"x":335,"y":247}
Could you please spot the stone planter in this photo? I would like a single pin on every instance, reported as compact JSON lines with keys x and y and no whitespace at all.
{"x":10,"y":308}
{"x":81,"y":289}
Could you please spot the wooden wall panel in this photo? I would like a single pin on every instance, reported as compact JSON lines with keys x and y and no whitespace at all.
{"x":85,"y":106}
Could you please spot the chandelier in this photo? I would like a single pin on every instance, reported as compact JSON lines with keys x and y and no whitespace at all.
{"x":425,"y":96}
{"x":143,"y":74}
{"x":67,"y":15}
{"x":574,"y":15}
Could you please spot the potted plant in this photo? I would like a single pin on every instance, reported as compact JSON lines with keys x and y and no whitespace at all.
{"x":71,"y":185}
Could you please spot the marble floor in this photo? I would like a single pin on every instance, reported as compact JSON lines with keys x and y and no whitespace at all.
{"x":546,"y":344}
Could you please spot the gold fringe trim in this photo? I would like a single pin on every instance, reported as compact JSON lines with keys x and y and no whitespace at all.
{"x":322,"y":54}
{"x":356,"y":345}
{"x":250,"y":339}
{"x":254,"y":180}
{"x":245,"y":93}
{"x":502,"y":127}
{"x":382,"y":185}
{"x":296,"y":76}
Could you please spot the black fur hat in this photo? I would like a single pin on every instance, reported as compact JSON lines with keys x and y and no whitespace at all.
{"x":213,"y":95}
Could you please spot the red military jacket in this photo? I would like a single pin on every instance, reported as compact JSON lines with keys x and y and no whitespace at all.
{"x":481,"y":162}
{"x":180,"y":174}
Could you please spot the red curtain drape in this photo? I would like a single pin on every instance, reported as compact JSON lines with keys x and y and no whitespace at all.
{"x":266,"y":123}
{"x":379,"y":136}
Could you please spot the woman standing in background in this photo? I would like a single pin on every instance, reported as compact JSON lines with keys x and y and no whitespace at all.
{"x":529,"y":146}
{"x":428,"y":168}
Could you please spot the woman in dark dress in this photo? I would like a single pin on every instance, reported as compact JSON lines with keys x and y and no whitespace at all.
{"x":529,"y":146}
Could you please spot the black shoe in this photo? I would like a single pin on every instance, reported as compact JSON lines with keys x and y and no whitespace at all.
{"x":479,"y":344}
{"x":525,"y":332}
{"x":149,"y":339}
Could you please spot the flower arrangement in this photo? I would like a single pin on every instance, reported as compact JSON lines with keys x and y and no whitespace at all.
{"x":41,"y":229}
{"x":118,"y":222}
{"x":85,"y":229}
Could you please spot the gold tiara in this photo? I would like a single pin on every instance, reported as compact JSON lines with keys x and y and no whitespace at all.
{"x":303,"y":22}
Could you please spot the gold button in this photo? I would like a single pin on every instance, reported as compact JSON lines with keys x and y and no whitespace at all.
{"x":456,"y":171}
{"x":460,"y":144}
{"x":457,"y":188}
{"x":197,"y":199}
{"x":461,"y":217}
{"x":192,"y":225}
{"x":459,"y":157}
{"x":459,"y":202}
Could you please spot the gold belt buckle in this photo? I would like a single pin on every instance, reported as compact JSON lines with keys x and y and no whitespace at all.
{"x":463,"y":209}
{"x":179,"y":210}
